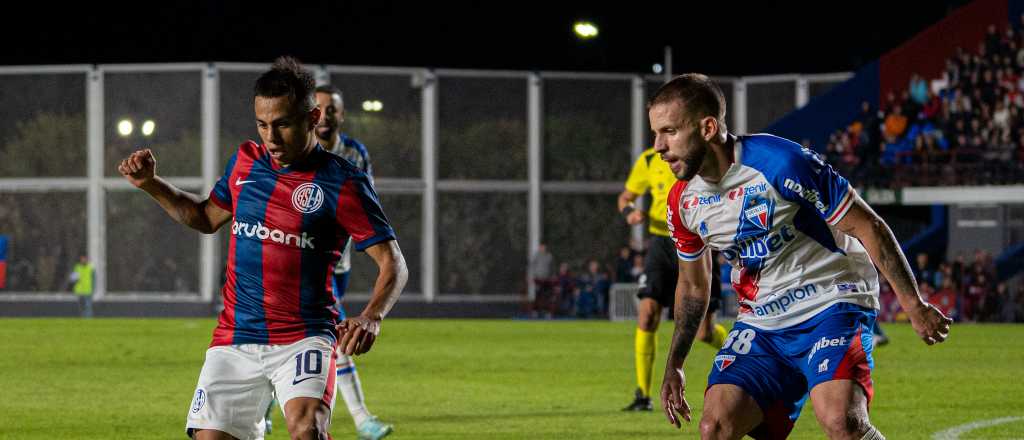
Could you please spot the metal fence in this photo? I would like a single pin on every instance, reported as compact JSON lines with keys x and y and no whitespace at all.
{"x":474,"y":168}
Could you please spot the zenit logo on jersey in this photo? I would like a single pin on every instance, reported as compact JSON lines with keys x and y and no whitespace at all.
{"x":702,"y":201}
{"x":748,"y":190}
{"x":776,"y":230}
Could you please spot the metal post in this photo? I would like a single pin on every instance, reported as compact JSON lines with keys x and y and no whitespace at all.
{"x":321,"y":76}
{"x":96,"y":197}
{"x":802,"y":92}
{"x":668,"y":63}
{"x":636,"y":232}
{"x":535,"y":129}
{"x":208,"y":266}
{"x":429,"y":236}
{"x":739,"y":101}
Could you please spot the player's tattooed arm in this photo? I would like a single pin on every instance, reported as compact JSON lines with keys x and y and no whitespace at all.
{"x":693,"y":290}
{"x":691,"y":302}
{"x":864,"y":224}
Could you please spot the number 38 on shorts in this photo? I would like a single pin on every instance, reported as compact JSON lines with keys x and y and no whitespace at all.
{"x":739,"y":341}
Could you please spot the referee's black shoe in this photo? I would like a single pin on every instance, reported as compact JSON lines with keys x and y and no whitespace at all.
{"x":640,"y":403}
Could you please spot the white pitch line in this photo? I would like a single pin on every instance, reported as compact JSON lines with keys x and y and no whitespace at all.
{"x":955,"y":432}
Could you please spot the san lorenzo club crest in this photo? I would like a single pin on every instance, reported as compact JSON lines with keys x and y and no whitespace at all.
{"x":307,"y":198}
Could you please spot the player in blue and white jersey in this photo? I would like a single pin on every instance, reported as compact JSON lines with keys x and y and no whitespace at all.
{"x":801,"y":243}
{"x":332,"y":108}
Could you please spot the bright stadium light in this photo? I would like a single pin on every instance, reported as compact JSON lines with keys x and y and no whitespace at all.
{"x":585,"y":29}
{"x":657,"y":68}
{"x":125,"y":127}
{"x":148,"y":127}
{"x":373,"y":105}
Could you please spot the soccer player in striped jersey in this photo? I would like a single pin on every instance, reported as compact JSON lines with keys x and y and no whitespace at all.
{"x":332,"y":108}
{"x":801,"y":243}
{"x":292,"y":206}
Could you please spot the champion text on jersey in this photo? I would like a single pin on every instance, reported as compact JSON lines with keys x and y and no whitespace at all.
{"x":276,"y":235}
{"x":790,"y":297}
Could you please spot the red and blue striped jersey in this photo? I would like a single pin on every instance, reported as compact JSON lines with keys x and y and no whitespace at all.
{"x":288,"y":228}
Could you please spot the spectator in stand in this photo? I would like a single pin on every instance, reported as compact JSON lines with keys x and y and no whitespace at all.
{"x":974,"y":297}
{"x":565,"y":285}
{"x":637,"y":270}
{"x":918,"y":89}
{"x":586,"y":283}
{"x":932,"y":108}
{"x":541,"y":264}
{"x":895,"y":124}
{"x":945,"y":298}
{"x":623,"y":263}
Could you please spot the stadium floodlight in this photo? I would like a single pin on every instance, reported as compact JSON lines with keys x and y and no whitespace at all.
{"x":148,"y":127}
{"x":373,"y":105}
{"x":125,"y":127}
{"x":585,"y":30}
{"x":657,"y":68}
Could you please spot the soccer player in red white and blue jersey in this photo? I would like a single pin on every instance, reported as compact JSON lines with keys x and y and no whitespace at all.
{"x":292,"y":206}
{"x":801,"y":243}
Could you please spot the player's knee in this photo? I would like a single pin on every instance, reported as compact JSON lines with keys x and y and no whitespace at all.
{"x":713,"y":427}
{"x":844,"y":424}
{"x":303,"y":424}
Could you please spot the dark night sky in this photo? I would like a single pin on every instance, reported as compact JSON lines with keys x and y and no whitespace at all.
{"x":724,"y":38}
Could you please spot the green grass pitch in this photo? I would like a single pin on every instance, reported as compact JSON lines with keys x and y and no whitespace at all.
{"x":452,"y":379}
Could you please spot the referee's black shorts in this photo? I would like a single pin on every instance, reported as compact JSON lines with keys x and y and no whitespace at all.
{"x":661,"y":271}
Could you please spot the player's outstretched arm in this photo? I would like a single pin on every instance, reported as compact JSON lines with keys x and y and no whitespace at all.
{"x":139,"y":168}
{"x":864,"y":224}
{"x":358,"y":333}
{"x":693,"y":290}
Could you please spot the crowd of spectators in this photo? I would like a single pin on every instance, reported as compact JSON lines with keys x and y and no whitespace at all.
{"x":579,"y":292}
{"x":966,"y":290}
{"x":963,"y":128}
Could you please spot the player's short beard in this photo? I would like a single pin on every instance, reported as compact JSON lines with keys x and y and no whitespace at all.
{"x":693,"y":160}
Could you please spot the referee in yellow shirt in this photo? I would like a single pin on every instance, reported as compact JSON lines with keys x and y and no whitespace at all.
{"x":661,"y":270}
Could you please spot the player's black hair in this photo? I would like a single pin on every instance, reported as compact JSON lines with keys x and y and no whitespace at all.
{"x":700,"y":95}
{"x":287,"y":77}
{"x":330,"y":89}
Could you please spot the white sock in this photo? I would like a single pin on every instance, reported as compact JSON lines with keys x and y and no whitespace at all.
{"x":873,"y":434}
{"x":351,"y":390}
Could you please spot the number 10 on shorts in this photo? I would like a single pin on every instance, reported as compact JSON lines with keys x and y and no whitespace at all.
{"x":308,"y":363}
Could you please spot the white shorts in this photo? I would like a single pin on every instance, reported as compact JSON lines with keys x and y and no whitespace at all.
{"x":236,"y":382}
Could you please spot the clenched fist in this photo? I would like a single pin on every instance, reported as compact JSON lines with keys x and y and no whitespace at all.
{"x":139,"y":167}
